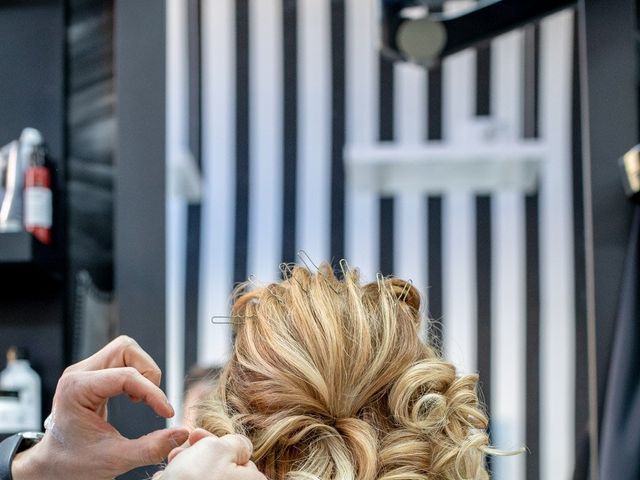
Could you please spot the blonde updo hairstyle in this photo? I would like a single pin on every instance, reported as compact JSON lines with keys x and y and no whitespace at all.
{"x":330,"y":380}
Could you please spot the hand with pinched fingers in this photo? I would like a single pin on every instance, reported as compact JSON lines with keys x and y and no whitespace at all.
{"x":79,"y":442}
{"x":207,"y":457}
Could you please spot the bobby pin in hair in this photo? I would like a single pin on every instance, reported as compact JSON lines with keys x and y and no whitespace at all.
{"x":301,"y":257}
{"x":380,"y":280}
{"x":287,"y":273}
{"x":344,"y":267}
{"x":405,"y":290}
{"x":215,"y":321}
{"x":285,"y":270}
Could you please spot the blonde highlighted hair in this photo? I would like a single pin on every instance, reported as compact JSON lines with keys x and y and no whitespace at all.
{"x":330,"y":380}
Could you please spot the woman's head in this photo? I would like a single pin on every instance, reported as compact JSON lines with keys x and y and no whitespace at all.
{"x":330,"y":380}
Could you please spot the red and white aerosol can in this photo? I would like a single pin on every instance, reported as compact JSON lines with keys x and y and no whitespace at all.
{"x":38,"y":206}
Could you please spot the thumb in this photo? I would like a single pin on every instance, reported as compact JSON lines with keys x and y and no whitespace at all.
{"x":152,"y":448}
{"x":236,"y":448}
{"x":198,"y":434}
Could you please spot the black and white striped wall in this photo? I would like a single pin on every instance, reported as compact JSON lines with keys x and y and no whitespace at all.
{"x":267,"y":94}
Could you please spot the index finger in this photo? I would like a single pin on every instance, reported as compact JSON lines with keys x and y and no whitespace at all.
{"x":124,"y":351}
{"x":96,"y":387}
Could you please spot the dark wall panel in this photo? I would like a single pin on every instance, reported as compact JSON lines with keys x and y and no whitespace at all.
{"x":140,"y":193}
{"x":609,"y":128}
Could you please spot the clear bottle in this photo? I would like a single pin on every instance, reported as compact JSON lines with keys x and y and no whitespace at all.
{"x":11,"y":414}
{"x":19,"y":376}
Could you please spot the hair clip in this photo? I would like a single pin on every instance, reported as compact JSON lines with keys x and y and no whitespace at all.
{"x":287,"y":274}
{"x":300,"y":256}
{"x":214,"y":322}
{"x":405,"y":290}
{"x":285,"y":270}
{"x":344,"y":267}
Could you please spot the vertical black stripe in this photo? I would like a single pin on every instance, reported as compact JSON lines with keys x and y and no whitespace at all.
{"x":484,"y":279}
{"x":434,"y":212}
{"x":386,"y":133}
{"x":434,"y":293}
{"x":532,"y":386}
{"x":581,"y":357}
{"x":194,"y":211}
{"x":241,"y":227}
{"x":338,"y":67}
{"x":195,"y":79}
{"x":290,"y":128}
{"x":532,"y":279}
{"x":386,"y":216}
{"x":484,"y":250}
{"x":192,"y":286}
{"x":531,"y":81}
{"x":434,"y":105}
{"x":483,"y":80}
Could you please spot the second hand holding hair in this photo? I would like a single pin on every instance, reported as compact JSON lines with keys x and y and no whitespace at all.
{"x":210,"y":457}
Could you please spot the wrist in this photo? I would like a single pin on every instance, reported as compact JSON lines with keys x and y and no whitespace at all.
{"x":29,"y":464}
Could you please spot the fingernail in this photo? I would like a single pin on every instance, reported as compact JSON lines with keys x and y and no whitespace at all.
{"x":180,"y":434}
{"x":248,"y":442}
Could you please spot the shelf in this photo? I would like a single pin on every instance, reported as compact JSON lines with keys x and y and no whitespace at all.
{"x":16,"y":247}
{"x":21,"y":248}
{"x":388,"y":169}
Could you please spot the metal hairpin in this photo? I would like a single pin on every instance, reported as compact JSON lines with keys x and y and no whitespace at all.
{"x":287,"y":273}
{"x":229,"y":317}
{"x":285,"y":270}
{"x":344,"y":267}
{"x":405,"y":290}
{"x":300,"y":256}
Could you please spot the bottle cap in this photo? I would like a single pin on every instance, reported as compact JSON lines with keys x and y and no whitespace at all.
{"x":31,"y":136}
{"x":17,"y":353}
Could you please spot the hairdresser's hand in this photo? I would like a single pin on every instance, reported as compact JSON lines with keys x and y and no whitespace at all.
{"x":212,"y":458}
{"x":79,"y":443}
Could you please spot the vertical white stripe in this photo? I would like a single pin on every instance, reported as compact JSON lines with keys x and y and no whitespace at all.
{"x":410,"y":212}
{"x":362,"y":209}
{"x":176,"y":224}
{"x":556,"y":247}
{"x":458,"y":217}
{"x":218,"y":158}
{"x":458,"y":277}
{"x":314,"y":136}
{"x":265,"y":133}
{"x":508,"y":295}
{"x":176,"y":221}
